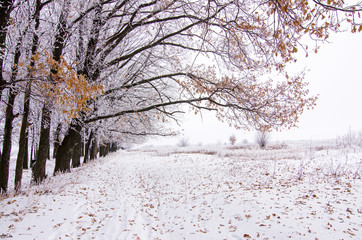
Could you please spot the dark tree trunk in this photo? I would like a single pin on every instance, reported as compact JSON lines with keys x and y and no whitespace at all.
{"x":39,"y":171}
{"x":55,"y":148}
{"x":77,"y":150}
{"x":5,"y":10}
{"x":31,"y":155}
{"x":57,"y":139}
{"x":9,"y":116}
{"x":26,"y":157}
{"x":87,"y":147}
{"x":33,"y":150}
{"x":65,"y":150}
{"x":23,"y":143}
{"x":82,"y":145}
{"x":113,"y":147}
{"x":5,"y":158}
{"x":48,"y":156}
{"x":108,"y":148}
{"x":102,"y":150}
{"x":94,"y":148}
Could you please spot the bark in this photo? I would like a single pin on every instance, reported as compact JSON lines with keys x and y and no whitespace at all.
{"x":33,"y":150}
{"x":5,"y":10}
{"x":39,"y":172}
{"x":77,"y":150}
{"x":102,"y":150}
{"x":87,"y":147}
{"x":26,"y":157}
{"x":113,"y":147}
{"x":57,"y":139}
{"x":94,"y":148}
{"x":5,"y":158}
{"x":65,"y":150}
{"x":82,"y":146}
{"x":23,"y":143}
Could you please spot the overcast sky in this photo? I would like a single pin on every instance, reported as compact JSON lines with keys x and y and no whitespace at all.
{"x":334,"y":73}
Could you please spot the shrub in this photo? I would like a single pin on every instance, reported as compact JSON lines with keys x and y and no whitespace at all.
{"x":262,"y":138}
{"x":184,"y":142}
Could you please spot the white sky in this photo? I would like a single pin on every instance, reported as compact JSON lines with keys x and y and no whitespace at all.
{"x":335,"y":74}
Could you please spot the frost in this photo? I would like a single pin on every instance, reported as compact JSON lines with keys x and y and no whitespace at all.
{"x":240,"y":192}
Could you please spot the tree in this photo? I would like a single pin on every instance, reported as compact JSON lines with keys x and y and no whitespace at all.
{"x":232,"y":139}
{"x":118,"y":69}
{"x":6,"y":8}
{"x":9,"y":115}
{"x":22,"y":158}
{"x":262,"y":138}
{"x":145,"y":49}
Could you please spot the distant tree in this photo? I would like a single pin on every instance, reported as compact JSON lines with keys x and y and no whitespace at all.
{"x":232,"y":139}
{"x":183,"y":142}
{"x":262,"y":138}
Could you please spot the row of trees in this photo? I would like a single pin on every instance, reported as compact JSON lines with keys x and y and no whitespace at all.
{"x":105,"y":71}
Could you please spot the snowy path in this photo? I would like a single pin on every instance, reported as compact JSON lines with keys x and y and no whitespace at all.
{"x":166,"y":195}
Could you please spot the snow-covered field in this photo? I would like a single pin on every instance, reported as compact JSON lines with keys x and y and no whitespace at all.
{"x":300,"y":191}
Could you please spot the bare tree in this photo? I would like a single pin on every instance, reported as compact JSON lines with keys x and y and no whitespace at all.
{"x":184,"y":142}
{"x":262,"y":138}
{"x":232,"y":139}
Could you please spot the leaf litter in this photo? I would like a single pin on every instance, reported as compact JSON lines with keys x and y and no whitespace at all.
{"x":293,"y":192}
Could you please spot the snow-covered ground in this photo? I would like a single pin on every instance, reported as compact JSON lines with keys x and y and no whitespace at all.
{"x":206,"y":192}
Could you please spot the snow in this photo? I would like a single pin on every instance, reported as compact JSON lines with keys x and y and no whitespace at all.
{"x":300,"y":191}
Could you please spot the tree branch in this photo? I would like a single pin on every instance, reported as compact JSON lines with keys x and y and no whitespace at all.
{"x":145,"y":109}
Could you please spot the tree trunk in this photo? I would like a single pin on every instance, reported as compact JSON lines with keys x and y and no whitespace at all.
{"x":113,"y":147}
{"x":94,"y":148}
{"x":5,"y":10}
{"x":9,"y":116}
{"x":55,"y":148}
{"x":77,"y":150}
{"x":5,"y":158}
{"x":65,"y":150}
{"x":82,"y":145}
{"x":39,"y":171}
{"x":102,"y":150}
{"x":34,"y":49}
{"x":87,"y":147}
{"x":58,"y":46}
{"x":57,"y":139}
{"x":23,"y":144}
{"x":33,"y":150}
{"x":26,"y":157}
